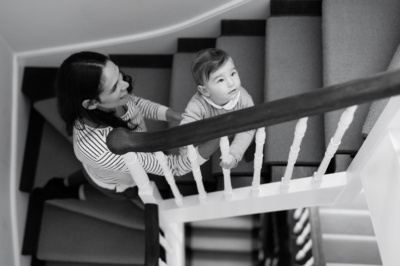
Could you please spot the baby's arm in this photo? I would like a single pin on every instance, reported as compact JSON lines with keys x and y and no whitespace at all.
{"x":242,"y":140}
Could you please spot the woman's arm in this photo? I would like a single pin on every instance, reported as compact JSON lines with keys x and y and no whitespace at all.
{"x":173,"y":116}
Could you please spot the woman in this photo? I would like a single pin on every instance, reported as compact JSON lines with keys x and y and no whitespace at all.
{"x":94,"y":97}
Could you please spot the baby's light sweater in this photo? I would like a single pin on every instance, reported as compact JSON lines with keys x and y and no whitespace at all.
{"x":198,"y":108}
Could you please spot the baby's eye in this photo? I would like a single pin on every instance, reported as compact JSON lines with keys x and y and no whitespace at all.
{"x":220,"y":80}
{"x":233,"y":73}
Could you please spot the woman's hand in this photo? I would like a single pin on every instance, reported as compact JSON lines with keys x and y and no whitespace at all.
{"x":173,"y":116}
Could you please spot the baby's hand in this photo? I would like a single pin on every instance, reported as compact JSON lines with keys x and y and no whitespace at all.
{"x":183,"y":151}
{"x":230,"y":163}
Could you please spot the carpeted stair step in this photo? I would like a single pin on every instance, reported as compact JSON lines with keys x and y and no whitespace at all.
{"x":221,"y":239}
{"x":351,"y":264}
{"x":70,"y":237}
{"x":246,"y":222}
{"x":58,"y":263}
{"x":341,"y":248}
{"x":346,"y":221}
{"x":122,"y":213}
{"x":359,"y":39}
{"x":293,"y":66}
{"x":55,"y":157}
{"x":209,"y":258}
{"x":244,"y":41}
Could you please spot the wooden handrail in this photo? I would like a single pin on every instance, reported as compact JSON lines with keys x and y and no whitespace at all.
{"x":382,"y":85}
{"x":152,"y":234}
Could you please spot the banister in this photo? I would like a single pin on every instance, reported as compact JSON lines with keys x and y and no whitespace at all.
{"x":354,"y":92}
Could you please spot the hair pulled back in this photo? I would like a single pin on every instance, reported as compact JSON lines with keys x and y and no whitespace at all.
{"x":78,"y":79}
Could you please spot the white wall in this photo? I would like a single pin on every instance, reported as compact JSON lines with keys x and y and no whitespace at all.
{"x":140,"y":33}
{"x":6,"y":61}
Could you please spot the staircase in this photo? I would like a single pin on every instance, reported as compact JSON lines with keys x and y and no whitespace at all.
{"x":301,"y":46}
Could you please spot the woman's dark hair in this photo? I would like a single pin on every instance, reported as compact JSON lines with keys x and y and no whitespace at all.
{"x":206,"y":62}
{"x":78,"y":79}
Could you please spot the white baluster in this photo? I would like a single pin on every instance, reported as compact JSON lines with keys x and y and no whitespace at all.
{"x":258,"y":160}
{"x":192,"y":155}
{"x":297,"y":213}
{"x":299,"y":132}
{"x":310,"y":262}
{"x":299,"y":225}
{"x":302,"y":252}
{"x":170,"y":178}
{"x":161,"y":263}
{"x":165,"y":244}
{"x":302,"y":237}
{"x":345,"y":120}
{"x":224,"y":145}
{"x":146,"y":190}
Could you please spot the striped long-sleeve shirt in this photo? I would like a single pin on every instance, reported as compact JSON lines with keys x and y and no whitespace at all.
{"x":109,"y":170}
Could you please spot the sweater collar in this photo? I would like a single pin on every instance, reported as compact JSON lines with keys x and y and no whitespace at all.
{"x":228,"y":106}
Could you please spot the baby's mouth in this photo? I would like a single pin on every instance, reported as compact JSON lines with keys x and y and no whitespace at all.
{"x":233,"y":91}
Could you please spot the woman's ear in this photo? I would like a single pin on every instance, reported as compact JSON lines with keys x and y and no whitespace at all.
{"x":90,"y":104}
{"x":203,"y":90}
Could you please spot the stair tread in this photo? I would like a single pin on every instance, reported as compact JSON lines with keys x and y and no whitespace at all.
{"x":345,"y":221}
{"x":217,"y":239}
{"x":53,"y":143}
{"x":239,"y":222}
{"x":293,"y":51}
{"x":220,"y":258}
{"x":351,"y":264}
{"x":71,"y":237}
{"x":345,"y":53}
{"x":350,"y":249}
{"x":123,"y":213}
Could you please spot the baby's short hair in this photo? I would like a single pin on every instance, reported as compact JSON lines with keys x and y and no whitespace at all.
{"x":206,"y":62}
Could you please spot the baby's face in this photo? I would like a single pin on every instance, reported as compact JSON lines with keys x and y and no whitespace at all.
{"x":223,"y":84}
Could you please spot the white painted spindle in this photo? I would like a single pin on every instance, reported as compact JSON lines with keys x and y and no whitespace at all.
{"x":224,"y":146}
{"x":300,"y":224}
{"x":310,"y":262}
{"x":165,"y":244}
{"x":345,"y":120}
{"x":302,"y":252}
{"x":139,"y":175}
{"x":161,"y":263}
{"x":299,"y":132}
{"x":297,"y":213}
{"x":302,"y":237}
{"x":192,"y":154}
{"x":170,"y":178}
{"x":258,"y":160}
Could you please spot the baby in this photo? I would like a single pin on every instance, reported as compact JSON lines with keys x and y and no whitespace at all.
{"x":219,"y":92}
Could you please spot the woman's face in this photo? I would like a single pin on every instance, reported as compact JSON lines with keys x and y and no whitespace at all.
{"x":113,"y":88}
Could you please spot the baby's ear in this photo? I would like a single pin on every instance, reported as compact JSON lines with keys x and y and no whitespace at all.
{"x":203,"y":90}
{"x":90,"y":104}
